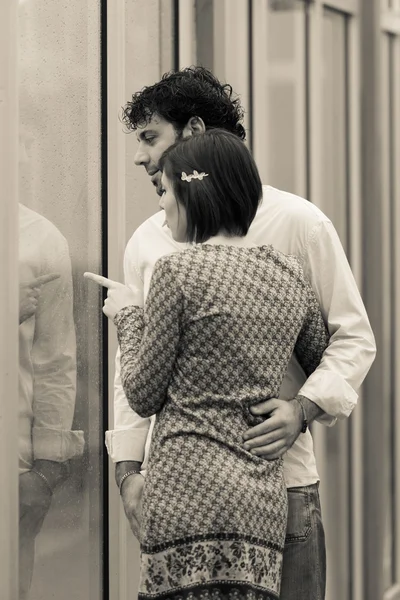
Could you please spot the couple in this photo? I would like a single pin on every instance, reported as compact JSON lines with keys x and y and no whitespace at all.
{"x":209,"y":353}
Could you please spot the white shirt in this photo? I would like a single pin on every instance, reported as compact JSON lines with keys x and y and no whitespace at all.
{"x":293,"y":226}
{"x":47,"y":349}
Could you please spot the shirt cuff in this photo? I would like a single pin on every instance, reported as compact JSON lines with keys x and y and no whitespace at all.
{"x":126,"y":444}
{"x":57,"y":445}
{"x":331,"y":393}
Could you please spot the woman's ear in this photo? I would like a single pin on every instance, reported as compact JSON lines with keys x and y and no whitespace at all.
{"x":193,"y":126}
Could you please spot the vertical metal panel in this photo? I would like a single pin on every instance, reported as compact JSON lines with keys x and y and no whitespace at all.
{"x":355,"y":251}
{"x":118,"y":527}
{"x":231,"y":49}
{"x":187,"y":37}
{"x":166,"y":28}
{"x":338,"y":450}
{"x":8,"y":301}
{"x":376,"y":383}
{"x":396,"y":299}
{"x":259,"y":108}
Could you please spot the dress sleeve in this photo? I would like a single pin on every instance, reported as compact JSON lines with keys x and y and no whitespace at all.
{"x":148,"y":340}
{"x":313,"y":338}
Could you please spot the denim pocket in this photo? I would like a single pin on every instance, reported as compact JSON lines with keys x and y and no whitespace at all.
{"x":299,"y":515}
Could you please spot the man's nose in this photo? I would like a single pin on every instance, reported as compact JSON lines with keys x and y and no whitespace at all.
{"x":141,"y":158}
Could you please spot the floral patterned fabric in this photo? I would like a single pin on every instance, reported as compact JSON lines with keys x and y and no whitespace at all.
{"x":215,"y":337}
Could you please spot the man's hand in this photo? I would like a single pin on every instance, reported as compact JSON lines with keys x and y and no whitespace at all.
{"x":274,"y":436}
{"x":29,"y":294}
{"x":132,"y":497}
{"x":56,"y":473}
{"x":34,"y":502}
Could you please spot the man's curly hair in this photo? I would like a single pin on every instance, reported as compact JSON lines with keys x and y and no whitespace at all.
{"x":180,"y":95}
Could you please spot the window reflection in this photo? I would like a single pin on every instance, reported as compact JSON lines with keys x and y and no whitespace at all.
{"x":47,"y":377}
{"x":60,"y":408}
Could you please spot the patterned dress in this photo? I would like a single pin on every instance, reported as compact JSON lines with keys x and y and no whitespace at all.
{"x":215,"y":337}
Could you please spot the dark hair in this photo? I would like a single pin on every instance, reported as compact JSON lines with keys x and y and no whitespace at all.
{"x":228,"y":198}
{"x":180,"y":95}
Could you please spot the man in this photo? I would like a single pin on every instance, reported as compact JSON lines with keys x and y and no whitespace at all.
{"x":47,"y":378}
{"x":184,"y":104}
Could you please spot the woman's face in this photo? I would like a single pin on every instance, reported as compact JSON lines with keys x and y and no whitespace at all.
{"x":175,"y":213}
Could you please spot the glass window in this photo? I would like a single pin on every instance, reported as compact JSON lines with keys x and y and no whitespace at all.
{"x":60,"y":401}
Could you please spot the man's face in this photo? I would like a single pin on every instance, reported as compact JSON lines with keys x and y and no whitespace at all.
{"x":154,"y":138}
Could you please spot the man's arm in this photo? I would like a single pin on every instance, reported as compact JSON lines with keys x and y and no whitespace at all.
{"x":331,"y":389}
{"x":333,"y":386}
{"x":54,"y":367}
{"x":126,"y":442}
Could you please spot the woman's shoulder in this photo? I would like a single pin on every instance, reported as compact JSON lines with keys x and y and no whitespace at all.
{"x":287,"y":262}
{"x":177,"y":262}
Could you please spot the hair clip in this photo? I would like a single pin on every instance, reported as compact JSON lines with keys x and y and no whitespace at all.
{"x":194,"y":175}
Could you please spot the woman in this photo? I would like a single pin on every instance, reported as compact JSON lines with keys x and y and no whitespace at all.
{"x":221,"y":321}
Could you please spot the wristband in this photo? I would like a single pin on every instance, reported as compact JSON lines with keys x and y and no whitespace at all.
{"x":305,"y":422}
{"x":125,"y":476}
{"x":44,"y":479}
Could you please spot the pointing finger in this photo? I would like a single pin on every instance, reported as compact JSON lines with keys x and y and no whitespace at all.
{"x":108,"y":283}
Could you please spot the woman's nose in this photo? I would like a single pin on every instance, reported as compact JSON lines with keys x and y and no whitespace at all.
{"x":161,"y":203}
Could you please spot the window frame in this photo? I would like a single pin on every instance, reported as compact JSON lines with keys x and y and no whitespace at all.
{"x":9,"y":126}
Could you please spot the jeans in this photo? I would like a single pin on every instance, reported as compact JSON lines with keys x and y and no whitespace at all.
{"x":304,"y":559}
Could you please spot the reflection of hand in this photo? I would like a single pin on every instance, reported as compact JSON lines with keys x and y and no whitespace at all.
{"x":119,"y":295}
{"x":56,"y":473}
{"x":132,"y":498}
{"x":34,"y":502}
{"x":29,"y":293}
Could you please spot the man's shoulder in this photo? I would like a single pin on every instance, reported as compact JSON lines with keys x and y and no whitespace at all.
{"x":287,"y":221}
{"x":151,"y":240}
{"x":151,"y":230}
{"x":277,"y":201}
{"x":37,"y":226}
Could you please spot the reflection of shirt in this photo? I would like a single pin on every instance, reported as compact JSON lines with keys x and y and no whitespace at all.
{"x":293,"y":226}
{"x":47,"y":373}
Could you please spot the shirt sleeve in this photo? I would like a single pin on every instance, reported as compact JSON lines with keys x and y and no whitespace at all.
{"x":351,"y":350}
{"x":54,"y":362}
{"x":127,"y":441}
{"x":149,"y":340}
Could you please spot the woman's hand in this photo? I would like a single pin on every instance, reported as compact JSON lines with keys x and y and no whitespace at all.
{"x":119,"y":295}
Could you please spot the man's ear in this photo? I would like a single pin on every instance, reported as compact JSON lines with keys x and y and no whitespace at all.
{"x":193,"y":126}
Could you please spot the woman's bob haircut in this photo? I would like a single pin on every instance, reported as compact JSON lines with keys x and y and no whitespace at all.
{"x":225,"y":201}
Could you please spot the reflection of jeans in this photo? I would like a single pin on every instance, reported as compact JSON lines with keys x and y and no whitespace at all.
{"x":30,"y":523}
{"x":304,"y":560}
